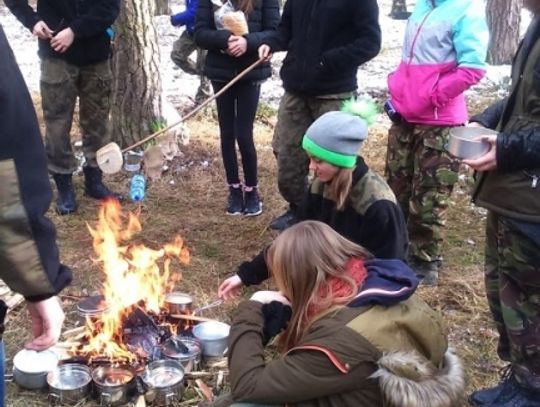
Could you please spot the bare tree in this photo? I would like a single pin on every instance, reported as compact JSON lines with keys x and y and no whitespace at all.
{"x":137,"y":88}
{"x":503,"y":17}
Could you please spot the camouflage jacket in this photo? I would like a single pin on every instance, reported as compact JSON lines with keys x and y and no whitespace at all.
{"x":29,"y":261}
{"x":513,"y":189}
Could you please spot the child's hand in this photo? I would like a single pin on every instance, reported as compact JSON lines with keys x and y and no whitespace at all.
{"x":237,"y":46}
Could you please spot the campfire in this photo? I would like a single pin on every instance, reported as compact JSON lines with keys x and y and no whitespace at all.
{"x":137,"y":279}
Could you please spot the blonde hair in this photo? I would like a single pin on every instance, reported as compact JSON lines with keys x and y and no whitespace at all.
{"x":340,"y":187}
{"x":301,"y":260}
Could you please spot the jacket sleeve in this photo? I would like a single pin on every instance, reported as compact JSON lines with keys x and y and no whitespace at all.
{"x":490,"y":117}
{"x":471,"y":38}
{"x":101,"y":16}
{"x":186,"y":16}
{"x":254,"y":272}
{"x":206,"y":34}
{"x":270,"y":21}
{"x":519,"y":150}
{"x":384,"y":232}
{"x":24,"y":13}
{"x":367,"y":44}
{"x":278,"y":40}
{"x":292,"y":378}
{"x":29,"y":259}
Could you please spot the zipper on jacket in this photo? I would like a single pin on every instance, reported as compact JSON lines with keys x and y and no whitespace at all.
{"x":534,"y":178}
{"x":416,"y":35}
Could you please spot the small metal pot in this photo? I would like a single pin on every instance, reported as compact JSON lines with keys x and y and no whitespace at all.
{"x":30,"y":368}
{"x":164,"y":382}
{"x":462,"y":143}
{"x":213,"y":336}
{"x":113,"y":386}
{"x":179,"y":303}
{"x":92,"y":308}
{"x":188,"y":353}
{"x":69,"y":383}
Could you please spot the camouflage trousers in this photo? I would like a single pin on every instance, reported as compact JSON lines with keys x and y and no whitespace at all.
{"x":61,"y":85}
{"x":295,"y":115}
{"x":183,"y":47}
{"x":422,"y":176}
{"x":513,"y":291}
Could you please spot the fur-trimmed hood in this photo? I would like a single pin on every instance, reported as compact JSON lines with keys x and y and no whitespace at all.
{"x":408,"y":379}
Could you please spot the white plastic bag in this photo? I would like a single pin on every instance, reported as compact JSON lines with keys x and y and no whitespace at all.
{"x":227,"y":18}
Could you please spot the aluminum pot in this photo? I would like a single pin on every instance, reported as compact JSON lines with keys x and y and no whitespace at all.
{"x":30,"y":368}
{"x":183,"y":349}
{"x":69,"y":383}
{"x":179,"y":303}
{"x":462,"y":143}
{"x":213,"y":336}
{"x":164,"y":382}
{"x":113,"y":386}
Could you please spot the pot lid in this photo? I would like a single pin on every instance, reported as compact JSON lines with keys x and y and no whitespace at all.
{"x":92,"y":305}
{"x":31,"y":361}
{"x":177,"y":347}
{"x":70,"y":376}
{"x":179,"y":298}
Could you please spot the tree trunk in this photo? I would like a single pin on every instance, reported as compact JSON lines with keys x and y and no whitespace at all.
{"x":136,"y":106}
{"x":503,"y":18}
{"x":398,"y":6}
{"x":162,"y":7}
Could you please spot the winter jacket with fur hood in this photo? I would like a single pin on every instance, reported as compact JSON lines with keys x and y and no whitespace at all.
{"x":387,"y":348}
{"x":443,"y":55}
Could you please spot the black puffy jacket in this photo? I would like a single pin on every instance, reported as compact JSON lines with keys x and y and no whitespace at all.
{"x":89,"y":20}
{"x":221,"y":67}
{"x":326,"y":40}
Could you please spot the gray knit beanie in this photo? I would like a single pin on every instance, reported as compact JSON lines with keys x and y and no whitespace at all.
{"x":336,"y":137}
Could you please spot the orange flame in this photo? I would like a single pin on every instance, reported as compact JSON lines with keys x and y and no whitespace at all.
{"x":132,"y":276}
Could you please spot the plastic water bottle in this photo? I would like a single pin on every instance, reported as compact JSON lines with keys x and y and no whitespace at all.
{"x":137,"y":188}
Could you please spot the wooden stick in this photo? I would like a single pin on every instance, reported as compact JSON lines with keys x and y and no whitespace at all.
{"x":206,"y":391}
{"x":201,"y":106}
{"x":191,"y":318}
{"x":74,"y":332}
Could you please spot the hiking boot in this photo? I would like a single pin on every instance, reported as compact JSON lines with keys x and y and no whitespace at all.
{"x":94,"y":186}
{"x":65,"y":200}
{"x":426,"y":271}
{"x":486,"y":396}
{"x":253,"y":204}
{"x":284,"y":220}
{"x":235,"y":203}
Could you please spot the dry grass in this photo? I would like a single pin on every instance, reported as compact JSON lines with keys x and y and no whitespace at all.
{"x":190,"y":200}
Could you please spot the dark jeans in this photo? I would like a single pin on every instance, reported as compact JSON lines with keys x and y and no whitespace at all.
{"x":236,"y":113}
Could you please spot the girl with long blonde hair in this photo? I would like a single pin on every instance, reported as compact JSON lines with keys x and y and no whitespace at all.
{"x":357,"y":335}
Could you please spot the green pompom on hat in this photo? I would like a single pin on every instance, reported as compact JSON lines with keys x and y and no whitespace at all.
{"x":336,"y":137}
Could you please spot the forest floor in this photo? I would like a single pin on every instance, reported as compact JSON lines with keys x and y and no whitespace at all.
{"x":189,"y":200}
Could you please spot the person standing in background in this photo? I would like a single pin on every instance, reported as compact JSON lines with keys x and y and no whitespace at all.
{"x":443,"y":55}
{"x":326,"y":41}
{"x":228,"y":55}
{"x":75,"y":50}
{"x":29,"y":260}
{"x":184,"y":46}
{"x":507,"y":186}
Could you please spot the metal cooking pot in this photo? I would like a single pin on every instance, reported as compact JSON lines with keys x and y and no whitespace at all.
{"x":213,"y":336}
{"x":113,"y":386}
{"x":30,"y":368}
{"x":164,"y":382}
{"x":69,"y":383}
{"x":179,"y":303}
{"x":185,"y":350}
{"x":462,"y":143}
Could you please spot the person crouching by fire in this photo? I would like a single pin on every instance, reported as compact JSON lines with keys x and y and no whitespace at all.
{"x":357,"y":333}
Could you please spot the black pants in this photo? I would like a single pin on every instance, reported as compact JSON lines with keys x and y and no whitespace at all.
{"x":236,"y":113}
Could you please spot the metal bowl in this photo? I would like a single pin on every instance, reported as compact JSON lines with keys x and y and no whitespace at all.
{"x":69,"y":383}
{"x":213,"y":336}
{"x":164,"y":382}
{"x":179,"y":303}
{"x":462,"y":143}
{"x":185,"y":350}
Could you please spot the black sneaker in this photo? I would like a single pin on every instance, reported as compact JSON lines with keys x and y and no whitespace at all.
{"x":507,"y":385}
{"x":235,"y":203}
{"x":284,"y":220}
{"x":253,"y":204}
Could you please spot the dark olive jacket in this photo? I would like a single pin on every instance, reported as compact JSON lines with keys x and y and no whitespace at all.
{"x":29,"y":262}
{"x":222,"y":67}
{"x":513,"y":189}
{"x":89,"y":20}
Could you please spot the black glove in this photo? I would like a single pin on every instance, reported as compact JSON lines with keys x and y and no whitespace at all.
{"x":276,"y":317}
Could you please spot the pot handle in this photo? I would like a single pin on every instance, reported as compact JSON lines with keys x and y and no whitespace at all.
{"x":170,"y":398}
{"x":54,"y":399}
{"x":105,"y":400}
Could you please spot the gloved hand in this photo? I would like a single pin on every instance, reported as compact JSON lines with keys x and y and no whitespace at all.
{"x":276,"y":317}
